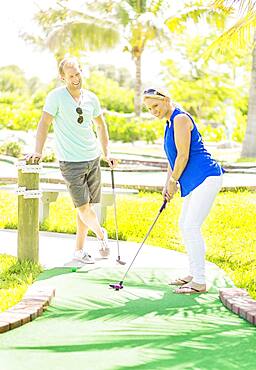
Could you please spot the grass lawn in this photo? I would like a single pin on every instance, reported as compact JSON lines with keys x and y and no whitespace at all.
{"x":14,"y":279}
{"x":229,"y":230}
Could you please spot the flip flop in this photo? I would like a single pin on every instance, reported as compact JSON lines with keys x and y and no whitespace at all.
{"x":181,"y":281}
{"x":188,"y":289}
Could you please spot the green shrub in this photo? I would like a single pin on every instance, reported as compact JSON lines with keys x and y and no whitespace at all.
{"x":111,"y":95}
{"x":210,"y":133}
{"x":15,"y":277}
{"x":50,"y":157}
{"x":239,"y":130}
{"x":14,"y":149}
{"x":129,"y":129}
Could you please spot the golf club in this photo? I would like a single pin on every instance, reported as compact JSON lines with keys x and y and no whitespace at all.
{"x":118,"y":260}
{"x":119,"y":285}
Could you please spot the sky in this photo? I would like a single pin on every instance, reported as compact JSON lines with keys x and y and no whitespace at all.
{"x":16,"y":17}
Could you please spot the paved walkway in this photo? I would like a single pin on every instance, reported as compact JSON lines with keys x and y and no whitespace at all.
{"x":56,"y":250}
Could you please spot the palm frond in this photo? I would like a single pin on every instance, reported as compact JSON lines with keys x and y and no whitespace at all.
{"x":139,"y":6}
{"x":155,"y":6}
{"x":79,"y":35}
{"x":243,"y":7}
{"x":238,"y":36}
{"x":195,"y":13}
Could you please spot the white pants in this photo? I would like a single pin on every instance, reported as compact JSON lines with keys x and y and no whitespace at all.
{"x":196,"y":207}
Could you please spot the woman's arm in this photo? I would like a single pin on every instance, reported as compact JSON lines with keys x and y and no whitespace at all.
{"x":182,"y":137}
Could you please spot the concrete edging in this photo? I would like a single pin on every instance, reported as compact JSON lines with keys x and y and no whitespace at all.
{"x":32,"y":305}
{"x":238,"y":301}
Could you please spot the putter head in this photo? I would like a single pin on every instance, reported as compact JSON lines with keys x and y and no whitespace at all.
{"x":118,"y":260}
{"x":117,"y":286}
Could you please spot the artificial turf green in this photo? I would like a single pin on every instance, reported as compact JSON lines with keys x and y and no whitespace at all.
{"x":144,"y":326}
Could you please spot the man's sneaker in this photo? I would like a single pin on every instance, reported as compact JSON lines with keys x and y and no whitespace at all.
{"x":103,"y":245}
{"x":83,"y":256}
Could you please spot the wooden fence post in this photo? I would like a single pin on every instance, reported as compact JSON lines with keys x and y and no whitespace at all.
{"x":28,"y":212}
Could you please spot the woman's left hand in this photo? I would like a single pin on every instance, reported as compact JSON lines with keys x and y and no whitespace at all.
{"x":172,"y":188}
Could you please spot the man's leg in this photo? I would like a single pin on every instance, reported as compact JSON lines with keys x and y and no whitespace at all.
{"x":81,"y":232}
{"x":88,"y":216}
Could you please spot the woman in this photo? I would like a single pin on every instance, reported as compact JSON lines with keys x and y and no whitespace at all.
{"x":199,"y":177}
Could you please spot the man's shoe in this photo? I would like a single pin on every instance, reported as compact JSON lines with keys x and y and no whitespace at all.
{"x":103,"y":245}
{"x":83,"y":256}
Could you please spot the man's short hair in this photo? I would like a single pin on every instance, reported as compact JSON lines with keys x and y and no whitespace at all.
{"x":70,"y":61}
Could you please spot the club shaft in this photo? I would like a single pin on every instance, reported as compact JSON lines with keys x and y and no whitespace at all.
{"x":145,"y":238}
{"x":115,"y":213}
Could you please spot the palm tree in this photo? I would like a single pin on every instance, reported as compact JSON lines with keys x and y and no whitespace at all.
{"x":100,"y":25}
{"x":68,"y":31}
{"x":141,"y":23}
{"x":240,"y":35}
{"x":150,"y":23}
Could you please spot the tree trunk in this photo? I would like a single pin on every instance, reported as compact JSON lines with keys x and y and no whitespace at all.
{"x":137,"y":97}
{"x":249,"y":143}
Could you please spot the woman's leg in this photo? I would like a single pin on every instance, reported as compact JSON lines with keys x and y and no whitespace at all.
{"x":197,"y":207}
{"x":184,"y":210}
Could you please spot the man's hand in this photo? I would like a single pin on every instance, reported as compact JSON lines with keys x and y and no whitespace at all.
{"x":34,"y":157}
{"x":112,"y":162}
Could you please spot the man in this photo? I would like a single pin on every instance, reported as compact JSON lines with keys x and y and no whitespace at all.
{"x":72,"y":109}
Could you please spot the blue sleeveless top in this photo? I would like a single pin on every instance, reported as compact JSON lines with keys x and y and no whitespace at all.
{"x":200,"y":163}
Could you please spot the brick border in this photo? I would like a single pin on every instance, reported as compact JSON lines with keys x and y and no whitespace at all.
{"x":32,"y":305}
{"x":238,"y":301}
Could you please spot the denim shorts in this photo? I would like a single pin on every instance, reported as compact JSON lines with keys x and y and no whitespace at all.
{"x":83,"y":180}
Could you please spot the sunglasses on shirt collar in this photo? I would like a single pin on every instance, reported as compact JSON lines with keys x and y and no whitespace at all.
{"x":80,"y":118}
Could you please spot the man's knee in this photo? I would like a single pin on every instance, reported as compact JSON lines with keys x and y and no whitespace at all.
{"x":84,"y":208}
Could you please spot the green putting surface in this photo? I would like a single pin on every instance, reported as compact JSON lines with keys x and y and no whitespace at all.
{"x":143,"y":326}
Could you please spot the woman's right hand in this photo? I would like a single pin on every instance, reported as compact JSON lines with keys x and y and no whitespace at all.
{"x":164,"y":191}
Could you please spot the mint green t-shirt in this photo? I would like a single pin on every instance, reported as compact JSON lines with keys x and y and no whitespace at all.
{"x":75,"y":142}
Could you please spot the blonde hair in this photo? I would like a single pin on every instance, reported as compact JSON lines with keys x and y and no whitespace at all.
{"x":68,"y":61}
{"x":156,"y":93}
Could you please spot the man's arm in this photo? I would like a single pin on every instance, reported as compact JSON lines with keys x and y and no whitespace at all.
{"x":41,"y":135}
{"x":102,"y":131}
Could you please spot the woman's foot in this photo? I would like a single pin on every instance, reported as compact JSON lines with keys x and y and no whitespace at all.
{"x":191,"y":288}
{"x":181,"y":281}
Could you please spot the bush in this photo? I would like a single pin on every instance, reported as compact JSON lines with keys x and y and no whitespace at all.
{"x":210,"y":133}
{"x":111,"y":95}
{"x":13,"y":149}
{"x":50,"y":157}
{"x":132,"y":129}
{"x":15,"y":277}
{"x":239,"y":130}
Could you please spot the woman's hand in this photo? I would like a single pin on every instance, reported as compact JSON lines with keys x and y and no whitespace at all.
{"x":171,"y":189}
{"x":164,"y":191}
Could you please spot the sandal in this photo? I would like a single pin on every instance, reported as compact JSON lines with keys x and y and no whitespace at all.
{"x":192,"y":288}
{"x":181,"y":281}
